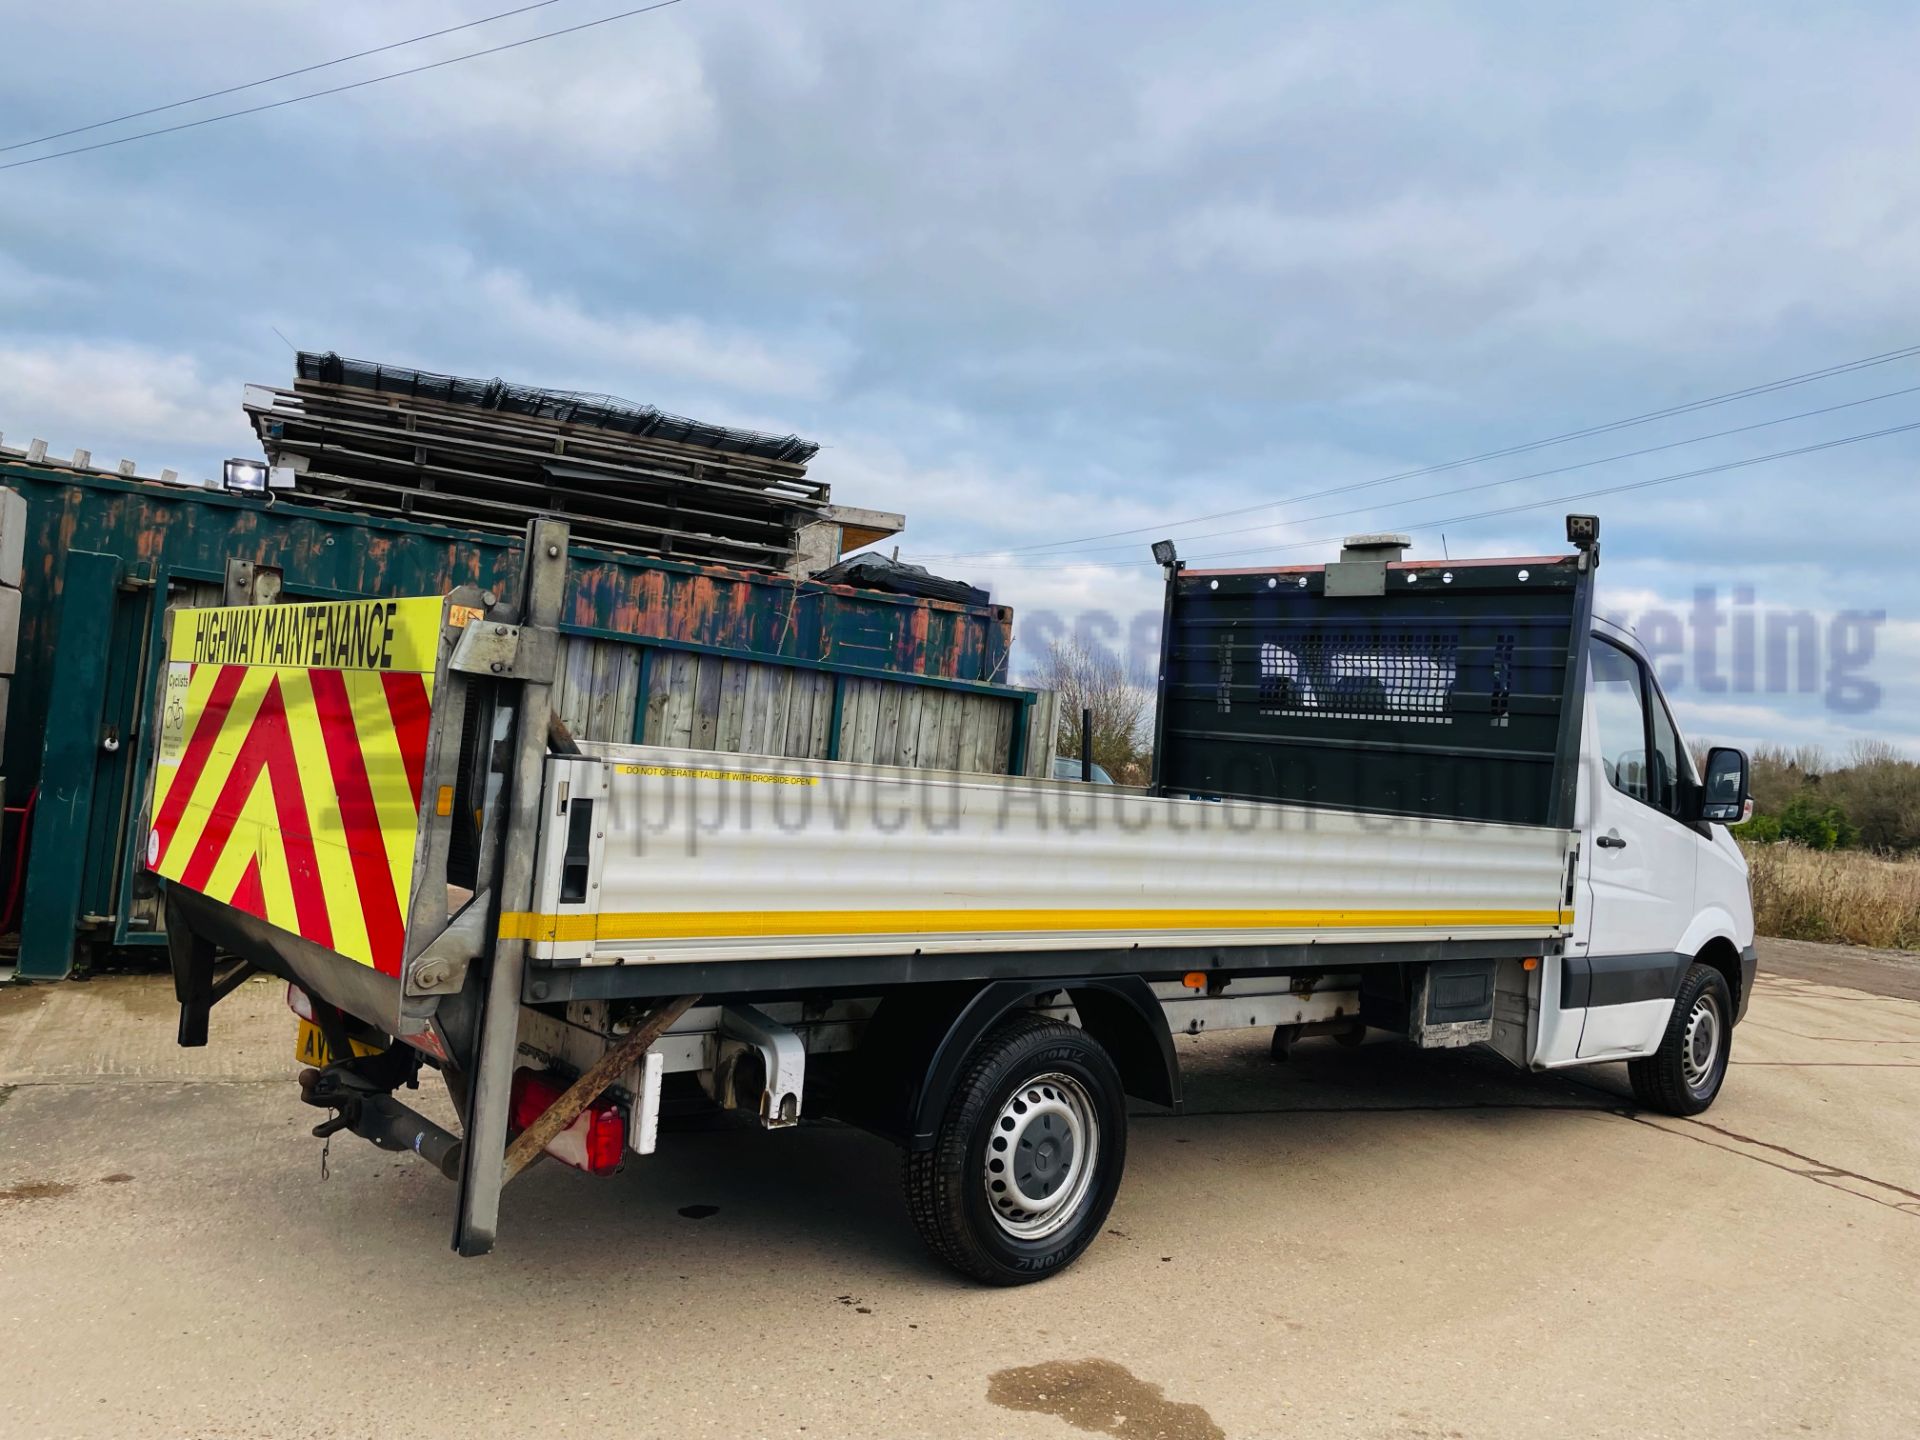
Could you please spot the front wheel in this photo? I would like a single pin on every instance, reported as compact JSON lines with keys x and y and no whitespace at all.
{"x":1027,"y":1158}
{"x":1684,"y":1075}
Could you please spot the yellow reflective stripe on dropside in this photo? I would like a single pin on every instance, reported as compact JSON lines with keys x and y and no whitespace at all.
{"x":752,"y":924}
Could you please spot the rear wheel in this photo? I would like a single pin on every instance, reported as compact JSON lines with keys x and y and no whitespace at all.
{"x":1027,"y":1158}
{"x":1684,"y":1075}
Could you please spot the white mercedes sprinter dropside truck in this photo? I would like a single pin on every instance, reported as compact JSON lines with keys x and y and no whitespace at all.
{"x":1439,"y":799}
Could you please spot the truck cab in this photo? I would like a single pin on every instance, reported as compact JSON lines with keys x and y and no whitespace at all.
{"x":1659,"y":886}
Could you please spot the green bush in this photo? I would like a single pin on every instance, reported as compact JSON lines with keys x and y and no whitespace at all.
{"x":1872,"y":800}
{"x":1805,"y":821}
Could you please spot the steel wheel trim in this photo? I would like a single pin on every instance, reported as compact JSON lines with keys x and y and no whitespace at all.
{"x":1700,"y":1048}
{"x":1041,"y":1156}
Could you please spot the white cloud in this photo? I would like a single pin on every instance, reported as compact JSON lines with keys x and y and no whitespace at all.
{"x":629,"y":98}
{"x":624,"y":99}
{"x":118,"y":399}
{"x":625,"y":343}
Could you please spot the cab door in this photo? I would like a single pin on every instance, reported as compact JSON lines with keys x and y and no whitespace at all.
{"x":1638,"y":860}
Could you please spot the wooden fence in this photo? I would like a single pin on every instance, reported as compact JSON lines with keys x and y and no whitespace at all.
{"x":618,"y":691}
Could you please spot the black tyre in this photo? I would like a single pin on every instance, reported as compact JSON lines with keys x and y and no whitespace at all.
{"x":1684,"y":1075}
{"x":1282,"y":1044}
{"x":1027,"y":1158}
{"x":1353,"y":1036}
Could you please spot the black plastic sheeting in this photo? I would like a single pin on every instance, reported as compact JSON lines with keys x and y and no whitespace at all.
{"x":607,"y":412}
{"x":877,"y":572}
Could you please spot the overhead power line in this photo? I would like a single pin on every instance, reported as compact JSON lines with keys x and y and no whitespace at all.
{"x":1719,"y":469}
{"x":1621,"y":489}
{"x":269,"y":80}
{"x":1495,"y":484}
{"x":1765,"y":388}
{"x":342,"y":89}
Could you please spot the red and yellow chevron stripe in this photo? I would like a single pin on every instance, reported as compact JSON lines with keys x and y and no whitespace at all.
{"x":292,"y":755}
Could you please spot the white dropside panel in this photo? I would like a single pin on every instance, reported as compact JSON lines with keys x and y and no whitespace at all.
{"x":698,"y":856}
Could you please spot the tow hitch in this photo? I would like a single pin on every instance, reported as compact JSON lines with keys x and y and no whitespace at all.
{"x":363,"y":1104}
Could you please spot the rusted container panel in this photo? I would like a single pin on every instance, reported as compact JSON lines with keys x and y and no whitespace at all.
{"x":803,"y":620}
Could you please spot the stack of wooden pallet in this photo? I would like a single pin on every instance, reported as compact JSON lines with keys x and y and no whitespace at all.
{"x":485,"y":455}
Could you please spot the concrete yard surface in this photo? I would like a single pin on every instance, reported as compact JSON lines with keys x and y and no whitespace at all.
{"x":1359,"y":1242}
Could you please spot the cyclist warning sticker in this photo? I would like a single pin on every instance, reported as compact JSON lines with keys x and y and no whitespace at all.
{"x":173,"y":712}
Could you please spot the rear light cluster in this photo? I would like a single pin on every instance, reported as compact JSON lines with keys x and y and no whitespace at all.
{"x":596,"y":1141}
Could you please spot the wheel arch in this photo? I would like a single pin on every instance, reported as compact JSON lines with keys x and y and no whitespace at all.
{"x":1712,"y":940}
{"x":1125,"y":1017}
{"x":1720,"y":953}
{"x":919,"y":1042}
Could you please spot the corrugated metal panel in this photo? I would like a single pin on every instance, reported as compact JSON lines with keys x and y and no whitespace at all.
{"x":805,"y":621}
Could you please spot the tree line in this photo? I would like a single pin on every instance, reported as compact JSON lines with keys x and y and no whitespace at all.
{"x":1866,"y":798}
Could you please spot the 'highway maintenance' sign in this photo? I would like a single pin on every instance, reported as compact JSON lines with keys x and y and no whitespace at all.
{"x":293,"y":748}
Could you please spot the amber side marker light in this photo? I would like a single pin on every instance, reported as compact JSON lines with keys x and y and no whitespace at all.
{"x":1532,"y":962}
{"x":1194,"y":980}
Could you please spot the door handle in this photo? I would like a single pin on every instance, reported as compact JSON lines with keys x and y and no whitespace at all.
{"x":1610,"y":841}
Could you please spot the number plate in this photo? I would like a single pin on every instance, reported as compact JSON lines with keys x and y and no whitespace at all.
{"x":310,"y":1046}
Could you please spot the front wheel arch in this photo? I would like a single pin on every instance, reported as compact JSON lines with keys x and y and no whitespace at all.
{"x":1723,"y":955}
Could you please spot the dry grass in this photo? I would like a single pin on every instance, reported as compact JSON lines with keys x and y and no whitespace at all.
{"x":1836,"y":895}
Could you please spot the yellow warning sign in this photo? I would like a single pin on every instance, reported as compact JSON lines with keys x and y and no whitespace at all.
{"x":292,"y":756}
{"x":336,"y":635}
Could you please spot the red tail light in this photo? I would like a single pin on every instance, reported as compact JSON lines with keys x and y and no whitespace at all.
{"x":596,"y":1141}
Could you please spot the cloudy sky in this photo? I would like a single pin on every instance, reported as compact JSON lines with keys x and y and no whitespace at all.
{"x":1035,"y":274}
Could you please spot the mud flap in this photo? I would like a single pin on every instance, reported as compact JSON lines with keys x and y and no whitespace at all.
{"x":1451,"y":1004}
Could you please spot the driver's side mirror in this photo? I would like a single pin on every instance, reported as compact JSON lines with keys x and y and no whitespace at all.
{"x":1723,"y":793}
